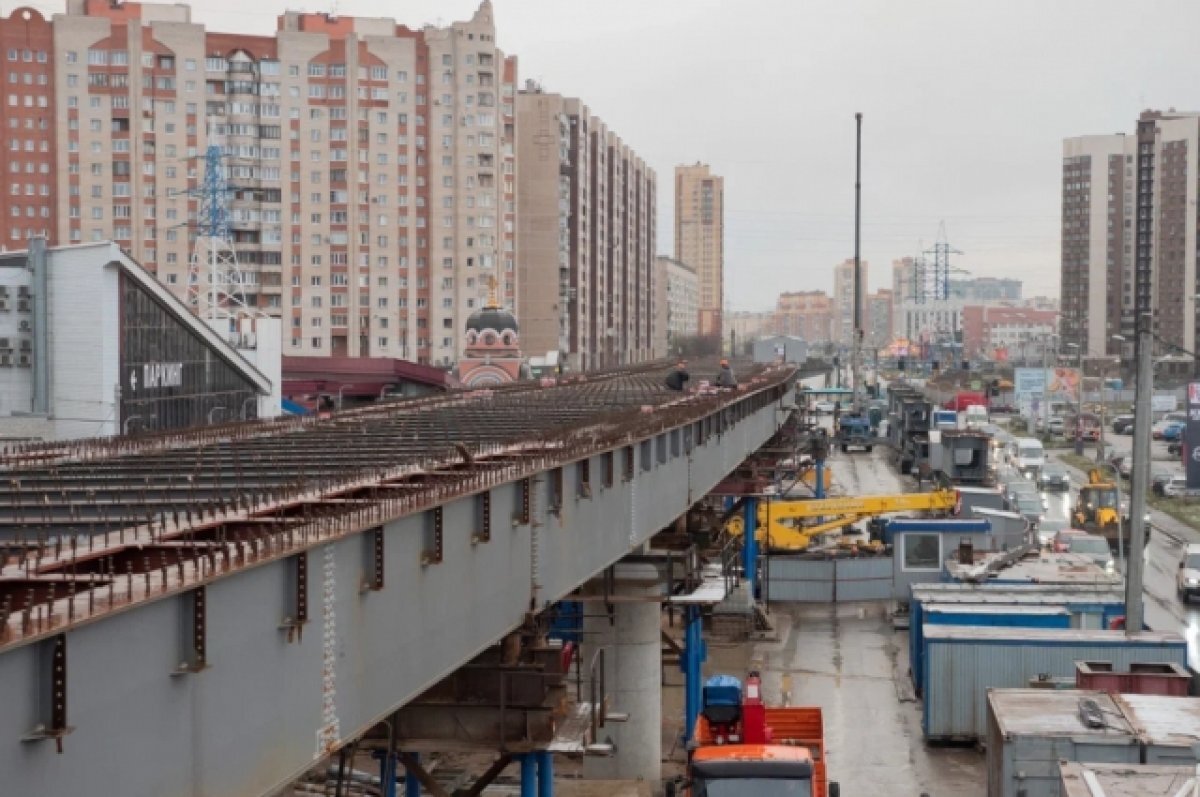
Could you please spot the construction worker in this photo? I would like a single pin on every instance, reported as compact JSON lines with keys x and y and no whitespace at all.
{"x":725,"y":377}
{"x":678,"y":378}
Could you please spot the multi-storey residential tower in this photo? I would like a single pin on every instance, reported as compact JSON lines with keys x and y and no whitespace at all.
{"x":1167,"y":247}
{"x":371,"y":166}
{"x":843,"y":300}
{"x":27,"y":201}
{"x":903,"y":290}
{"x":586,"y":215}
{"x":804,"y":314}
{"x":1097,"y":241}
{"x":878,"y":326}
{"x":700,"y":238}
{"x":676,"y":304}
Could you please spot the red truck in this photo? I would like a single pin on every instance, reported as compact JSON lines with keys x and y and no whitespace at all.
{"x":966,"y":399}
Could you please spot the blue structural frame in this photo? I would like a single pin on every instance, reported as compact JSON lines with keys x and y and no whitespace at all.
{"x":750,"y":543}
{"x":388,"y":762}
{"x":545,"y":773}
{"x":695,"y":652}
{"x":529,"y":784}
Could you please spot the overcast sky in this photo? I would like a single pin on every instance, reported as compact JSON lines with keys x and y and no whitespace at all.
{"x":966,"y":103}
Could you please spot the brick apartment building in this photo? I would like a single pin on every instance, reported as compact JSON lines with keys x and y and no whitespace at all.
{"x":1021,"y":333}
{"x":372,"y":166}
{"x":805,"y":314}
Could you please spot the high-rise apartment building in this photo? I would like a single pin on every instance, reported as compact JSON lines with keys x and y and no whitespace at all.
{"x":27,"y":201}
{"x":904,"y":277}
{"x":700,"y":238}
{"x":587,"y":222}
{"x":1166,"y":244}
{"x":371,"y":166}
{"x":878,"y":325}
{"x":1098,"y":178}
{"x":843,"y":300}
{"x":676,"y":304}
{"x":804,"y":314}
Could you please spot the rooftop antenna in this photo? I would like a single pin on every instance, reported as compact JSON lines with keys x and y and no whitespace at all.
{"x":215,"y":290}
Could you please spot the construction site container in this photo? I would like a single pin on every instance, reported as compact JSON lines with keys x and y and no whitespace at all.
{"x":1123,"y":780}
{"x":976,"y":614}
{"x":1090,"y":605}
{"x":1169,"y":727}
{"x":1030,"y":730}
{"x":962,"y":663}
{"x":1161,"y":678}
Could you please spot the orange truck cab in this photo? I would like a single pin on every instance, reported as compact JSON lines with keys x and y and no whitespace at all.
{"x":746,"y":748}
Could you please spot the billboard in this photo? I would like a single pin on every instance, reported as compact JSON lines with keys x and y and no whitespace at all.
{"x":1191,"y":437}
{"x":1064,"y":384}
{"x":1029,"y":385}
{"x":1033,"y":386}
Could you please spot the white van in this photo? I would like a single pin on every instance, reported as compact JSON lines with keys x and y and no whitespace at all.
{"x":976,"y":416}
{"x":1028,"y":455}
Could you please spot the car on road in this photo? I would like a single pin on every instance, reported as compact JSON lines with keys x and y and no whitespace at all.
{"x":1159,"y":479}
{"x":1174,"y":431}
{"x":1187,"y":580}
{"x":1176,"y":487}
{"x":1122,"y":424}
{"x":1095,"y":548}
{"x":1062,"y":540}
{"x":1048,"y":528}
{"x":825,"y":406}
{"x":1156,"y":431}
{"x":1056,"y":426}
{"x":1030,"y":507}
{"x":1018,"y":487}
{"x":1053,"y":477}
{"x":1002,"y":409}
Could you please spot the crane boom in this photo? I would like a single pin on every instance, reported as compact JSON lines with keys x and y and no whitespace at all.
{"x":775,"y":532}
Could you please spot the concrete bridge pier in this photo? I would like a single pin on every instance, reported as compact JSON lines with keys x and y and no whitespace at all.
{"x":632,"y":644}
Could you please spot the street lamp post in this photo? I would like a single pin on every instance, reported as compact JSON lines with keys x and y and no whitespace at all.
{"x":1079,"y":401}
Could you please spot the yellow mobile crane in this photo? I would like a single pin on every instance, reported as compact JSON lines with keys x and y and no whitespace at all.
{"x":781,"y":526}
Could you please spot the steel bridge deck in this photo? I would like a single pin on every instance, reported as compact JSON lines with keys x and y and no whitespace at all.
{"x":430,"y":527}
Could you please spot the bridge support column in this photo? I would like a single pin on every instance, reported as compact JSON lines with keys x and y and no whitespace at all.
{"x":750,"y":547}
{"x":529,"y":779}
{"x":387,"y":772}
{"x":412,"y":785}
{"x":545,"y":773}
{"x":633,"y":680}
{"x":694,"y":654}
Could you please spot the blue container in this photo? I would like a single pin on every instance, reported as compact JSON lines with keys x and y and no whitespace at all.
{"x":566,"y":623}
{"x":961,"y":664}
{"x":1090,"y":607}
{"x":963,"y":614}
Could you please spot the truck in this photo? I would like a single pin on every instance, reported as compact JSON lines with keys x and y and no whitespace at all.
{"x":854,"y":429}
{"x":744,"y":748}
{"x":966,"y":398}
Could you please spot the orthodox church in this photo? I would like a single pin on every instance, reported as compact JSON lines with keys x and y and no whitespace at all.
{"x":493,"y":353}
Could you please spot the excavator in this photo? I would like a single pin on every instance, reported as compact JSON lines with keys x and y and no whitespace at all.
{"x":782,"y":526}
{"x":744,"y":748}
{"x":1098,"y":509}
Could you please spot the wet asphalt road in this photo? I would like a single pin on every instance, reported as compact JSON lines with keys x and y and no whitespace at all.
{"x":1165,"y":611}
{"x":847,"y":659}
